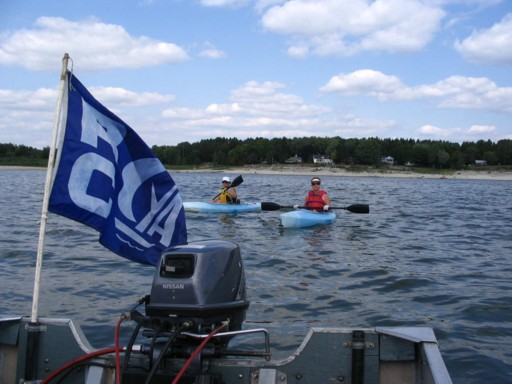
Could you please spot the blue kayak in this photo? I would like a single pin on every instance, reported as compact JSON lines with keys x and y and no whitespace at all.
{"x":303,"y":218}
{"x":204,"y":207}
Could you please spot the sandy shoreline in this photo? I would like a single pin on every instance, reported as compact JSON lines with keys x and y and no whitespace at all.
{"x":330,"y":171}
{"x":334,"y":171}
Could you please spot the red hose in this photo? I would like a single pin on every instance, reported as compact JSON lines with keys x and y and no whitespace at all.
{"x":196,"y":352}
{"x":118,"y":349}
{"x":68,"y":365}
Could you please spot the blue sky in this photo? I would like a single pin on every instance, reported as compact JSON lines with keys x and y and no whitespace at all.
{"x":187,"y":70}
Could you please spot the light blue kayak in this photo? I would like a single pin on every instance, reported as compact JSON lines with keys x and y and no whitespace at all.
{"x":303,"y":218}
{"x":206,"y":207}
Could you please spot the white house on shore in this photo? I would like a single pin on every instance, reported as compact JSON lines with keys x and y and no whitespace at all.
{"x":321,"y":159}
{"x":294,"y":160}
{"x":387,"y":160}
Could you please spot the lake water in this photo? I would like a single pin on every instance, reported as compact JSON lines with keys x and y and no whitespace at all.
{"x":432,"y":252}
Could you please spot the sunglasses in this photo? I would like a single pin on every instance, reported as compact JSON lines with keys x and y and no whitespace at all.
{"x":315,"y":183}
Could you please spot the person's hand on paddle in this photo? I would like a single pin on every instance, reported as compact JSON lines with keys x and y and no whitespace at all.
{"x":354,"y":208}
{"x":296,"y":206}
{"x":326,"y":208}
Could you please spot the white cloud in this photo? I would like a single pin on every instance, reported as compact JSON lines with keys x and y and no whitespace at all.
{"x":211,"y":52}
{"x":457,"y":134}
{"x":489,"y":46}
{"x":223,"y":108}
{"x":454,"y":92}
{"x":40,"y":99}
{"x":263,"y":99}
{"x":432,"y":130}
{"x":478,"y":93}
{"x":479,"y":129}
{"x":262,"y":4}
{"x":182,"y":113}
{"x":364,"y":82}
{"x":96,"y":45}
{"x":298,"y":51}
{"x":124,"y":97}
{"x":257,"y":103}
{"x":264,"y":110}
{"x":256,"y":109}
{"x":223,"y":3}
{"x":352,"y":126}
{"x":346,"y":27}
{"x":26,"y":117}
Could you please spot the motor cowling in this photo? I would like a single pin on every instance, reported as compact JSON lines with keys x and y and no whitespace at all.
{"x":202,"y":283}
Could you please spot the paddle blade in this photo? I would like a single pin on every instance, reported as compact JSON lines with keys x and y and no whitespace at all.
{"x":236,"y":181}
{"x":268,"y":206}
{"x":358,"y":208}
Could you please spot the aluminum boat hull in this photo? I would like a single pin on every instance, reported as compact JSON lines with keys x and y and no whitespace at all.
{"x":327,"y":355}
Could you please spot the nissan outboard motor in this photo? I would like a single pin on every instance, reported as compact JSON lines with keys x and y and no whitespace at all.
{"x":196,"y":307}
{"x":201,"y":283}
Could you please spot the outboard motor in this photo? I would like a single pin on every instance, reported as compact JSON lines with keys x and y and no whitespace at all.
{"x":201,"y":283}
{"x":197,"y":305}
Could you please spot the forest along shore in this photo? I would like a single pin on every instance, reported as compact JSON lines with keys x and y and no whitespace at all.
{"x":332,"y":171}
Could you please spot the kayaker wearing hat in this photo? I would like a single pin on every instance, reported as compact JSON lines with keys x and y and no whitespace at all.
{"x":227,"y":195}
{"x":317,"y":199}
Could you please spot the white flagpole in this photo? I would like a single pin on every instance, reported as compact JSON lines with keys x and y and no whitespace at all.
{"x":46,"y":196}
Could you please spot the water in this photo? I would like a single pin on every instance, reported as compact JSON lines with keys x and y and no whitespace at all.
{"x":431,"y":252}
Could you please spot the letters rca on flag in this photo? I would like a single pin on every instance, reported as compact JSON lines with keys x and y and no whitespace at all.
{"x":107,"y":178}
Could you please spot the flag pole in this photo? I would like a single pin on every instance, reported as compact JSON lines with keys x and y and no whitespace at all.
{"x":46,"y":196}
{"x":33,"y":328}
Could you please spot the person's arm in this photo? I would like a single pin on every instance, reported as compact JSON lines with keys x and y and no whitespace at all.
{"x":218,"y":199}
{"x":326,"y":199}
{"x":233,"y":193}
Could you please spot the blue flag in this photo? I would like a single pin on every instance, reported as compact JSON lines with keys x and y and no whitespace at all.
{"x":109,"y":179}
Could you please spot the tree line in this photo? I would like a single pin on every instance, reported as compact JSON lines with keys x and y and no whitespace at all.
{"x":365,"y":151}
{"x":13,"y":154}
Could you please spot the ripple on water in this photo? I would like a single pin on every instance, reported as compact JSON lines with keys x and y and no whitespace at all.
{"x":430,"y":253}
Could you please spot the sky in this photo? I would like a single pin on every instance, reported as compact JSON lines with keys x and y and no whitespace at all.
{"x":188,"y":70}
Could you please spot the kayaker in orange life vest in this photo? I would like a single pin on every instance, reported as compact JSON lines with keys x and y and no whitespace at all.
{"x":317,"y":199}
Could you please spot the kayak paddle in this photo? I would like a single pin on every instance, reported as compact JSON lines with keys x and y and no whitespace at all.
{"x":235,"y":183}
{"x":354,"y":208}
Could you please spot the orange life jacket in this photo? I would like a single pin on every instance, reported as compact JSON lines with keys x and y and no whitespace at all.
{"x":315,"y":200}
